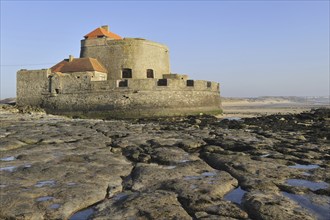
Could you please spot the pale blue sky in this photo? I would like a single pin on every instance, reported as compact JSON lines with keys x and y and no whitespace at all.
{"x":253,"y":48}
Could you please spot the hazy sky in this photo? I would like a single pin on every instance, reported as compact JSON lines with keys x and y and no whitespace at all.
{"x":253,"y":48}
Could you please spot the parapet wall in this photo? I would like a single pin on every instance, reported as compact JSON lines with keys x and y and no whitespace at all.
{"x":77,"y":95}
{"x":155,"y":85}
{"x":72,"y":84}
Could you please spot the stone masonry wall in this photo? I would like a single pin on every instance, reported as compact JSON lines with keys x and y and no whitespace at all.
{"x":31,"y":86}
{"x":133,"y":53}
{"x":76,"y":94}
{"x":127,"y":103}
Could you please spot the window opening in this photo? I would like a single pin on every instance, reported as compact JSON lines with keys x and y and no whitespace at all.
{"x":150,"y":73}
{"x":162,"y":82}
{"x":123,"y":83}
{"x":190,"y":82}
{"x":127,"y":73}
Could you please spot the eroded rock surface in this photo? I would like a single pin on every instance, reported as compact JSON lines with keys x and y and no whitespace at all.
{"x":273,"y":167}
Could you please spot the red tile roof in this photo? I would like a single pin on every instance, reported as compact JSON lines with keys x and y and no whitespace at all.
{"x":101,"y":32}
{"x":78,"y":65}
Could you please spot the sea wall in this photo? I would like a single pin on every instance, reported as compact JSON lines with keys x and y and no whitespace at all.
{"x":128,"y":103}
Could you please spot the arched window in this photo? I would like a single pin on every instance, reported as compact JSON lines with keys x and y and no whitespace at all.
{"x":150,"y":73}
{"x":127,"y":73}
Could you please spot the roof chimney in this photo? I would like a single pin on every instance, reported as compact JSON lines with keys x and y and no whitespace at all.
{"x":105,"y":27}
{"x":71,"y":58}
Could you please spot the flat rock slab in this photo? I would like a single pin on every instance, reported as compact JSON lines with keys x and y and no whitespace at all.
{"x":158,"y":204}
{"x":57,"y":166}
{"x":52,"y":167}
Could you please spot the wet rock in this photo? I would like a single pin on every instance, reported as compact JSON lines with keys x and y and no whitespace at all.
{"x":75,"y":174}
{"x":150,"y":205}
{"x":252,"y":174}
{"x":173,"y":168}
{"x":273,"y":206}
{"x":201,"y":192}
{"x":152,"y":176}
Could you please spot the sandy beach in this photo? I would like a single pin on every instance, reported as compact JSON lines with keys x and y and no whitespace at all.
{"x":261,"y":106}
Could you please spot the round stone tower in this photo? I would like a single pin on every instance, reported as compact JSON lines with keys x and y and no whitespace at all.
{"x":134,"y":58}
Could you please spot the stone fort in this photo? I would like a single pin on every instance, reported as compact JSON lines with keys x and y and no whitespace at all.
{"x":116,"y":77}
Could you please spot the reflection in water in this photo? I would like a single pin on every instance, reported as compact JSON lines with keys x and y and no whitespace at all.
{"x":84,"y":214}
{"x":309,"y":184}
{"x":45,"y":183}
{"x":10,"y":158}
{"x":55,"y":206}
{"x":235,"y":195}
{"x":44,"y":198}
{"x":305,"y":167}
{"x":322,"y":212}
{"x":9,"y":168}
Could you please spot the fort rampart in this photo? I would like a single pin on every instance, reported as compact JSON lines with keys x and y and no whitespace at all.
{"x":69,"y":95}
{"x":116,"y":78}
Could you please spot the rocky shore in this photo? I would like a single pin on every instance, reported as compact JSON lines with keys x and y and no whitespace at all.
{"x":271,"y":167}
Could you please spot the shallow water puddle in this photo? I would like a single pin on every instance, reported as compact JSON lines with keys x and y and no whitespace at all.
{"x":322,"y":212}
{"x":232,"y":118}
{"x":201,"y":176}
{"x":10,"y":158}
{"x":44,"y":198}
{"x":169,"y":167}
{"x":45,"y":183}
{"x":192,"y":177}
{"x":84,"y":214}
{"x":235,"y":195}
{"x":71,"y":184}
{"x":305,"y":167}
{"x":309,"y":184}
{"x":121,"y":196}
{"x":55,"y":206}
{"x":208,"y":174}
{"x":9,"y":168}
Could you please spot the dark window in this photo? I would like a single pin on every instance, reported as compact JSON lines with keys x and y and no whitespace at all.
{"x":208,"y":84}
{"x":162,"y":82}
{"x":127,"y":73}
{"x":190,"y":82}
{"x":57,"y":91}
{"x":150,"y":73}
{"x":123,"y":83}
